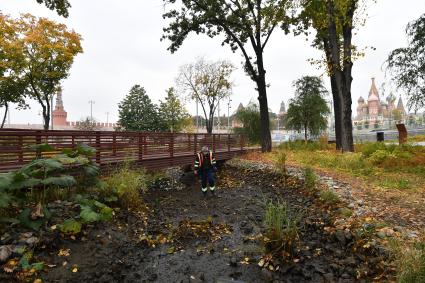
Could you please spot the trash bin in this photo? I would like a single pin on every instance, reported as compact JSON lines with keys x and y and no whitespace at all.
{"x":380,"y":136}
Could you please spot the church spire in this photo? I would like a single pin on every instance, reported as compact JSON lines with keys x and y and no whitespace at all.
{"x":373,"y":93}
{"x":400,"y":106}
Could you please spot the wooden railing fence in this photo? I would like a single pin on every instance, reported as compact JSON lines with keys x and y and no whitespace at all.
{"x":151,"y":150}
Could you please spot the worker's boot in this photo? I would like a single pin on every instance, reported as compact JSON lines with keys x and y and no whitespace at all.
{"x":212,"y":189}
{"x":204,"y":192}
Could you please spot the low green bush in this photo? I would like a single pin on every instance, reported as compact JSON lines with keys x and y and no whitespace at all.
{"x":42,"y":179}
{"x":124,"y":185}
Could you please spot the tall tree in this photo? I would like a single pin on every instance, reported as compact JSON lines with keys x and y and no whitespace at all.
{"x":407,"y":65}
{"x":206,"y":83}
{"x":60,"y":6}
{"x":12,"y":80}
{"x":249,"y":117}
{"x":334,"y":23}
{"x":138,"y":113}
{"x":49,"y":49}
{"x":173,"y":112}
{"x":308,"y":110}
{"x":247,"y":25}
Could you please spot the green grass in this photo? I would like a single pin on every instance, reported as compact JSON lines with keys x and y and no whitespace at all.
{"x":400,"y":184}
{"x":281,"y":234}
{"x":410,"y":261}
{"x":376,"y":163}
{"x":310,"y":179}
{"x":281,"y":161}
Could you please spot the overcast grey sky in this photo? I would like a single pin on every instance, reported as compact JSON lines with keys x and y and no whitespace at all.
{"x":122,"y":47}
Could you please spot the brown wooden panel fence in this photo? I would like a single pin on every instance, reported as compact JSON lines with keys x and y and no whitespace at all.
{"x":151,"y":150}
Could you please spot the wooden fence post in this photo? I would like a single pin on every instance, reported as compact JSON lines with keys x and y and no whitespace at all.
{"x":73,"y":140}
{"x":114,"y":144}
{"x":145,"y":145}
{"x":98,"y":161}
{"x":20,"y":147}
{"x":140,"y":147}
{"x":213,"y":142}
{"x":37,"y":141}
{"x":171,"y":148}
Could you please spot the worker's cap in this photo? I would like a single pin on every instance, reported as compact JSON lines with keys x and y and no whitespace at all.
{"x":205,"y":149}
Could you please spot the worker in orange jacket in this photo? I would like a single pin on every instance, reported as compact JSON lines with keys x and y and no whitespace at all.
{"x":205,"y":167}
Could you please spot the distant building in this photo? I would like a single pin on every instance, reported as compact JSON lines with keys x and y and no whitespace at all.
{"x":235,"y":122}
{"x":282,"y":110}
{"x":59,"y":114}
{"x":376,"y":113}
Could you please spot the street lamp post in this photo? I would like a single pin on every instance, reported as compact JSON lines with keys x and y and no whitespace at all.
{"x":228,"y":115}
{"x":91,"y":102}
{"x":51,"y":110}
{"x":197,"y":116}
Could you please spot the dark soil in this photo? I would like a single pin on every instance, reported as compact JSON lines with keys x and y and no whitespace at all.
{"x":212,"y":239}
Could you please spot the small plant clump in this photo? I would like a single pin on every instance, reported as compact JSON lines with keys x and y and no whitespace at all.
{"x":281,"y":235}
{"x":281,"y":161}
{"x":310,"y":179}
{"x":329,"y":197}
{"x":410,"y":261}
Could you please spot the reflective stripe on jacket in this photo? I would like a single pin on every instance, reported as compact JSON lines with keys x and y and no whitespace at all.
{"x":199,"y":161}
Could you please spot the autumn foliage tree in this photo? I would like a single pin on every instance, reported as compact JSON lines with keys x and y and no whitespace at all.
{"x":207,"y":83}
{"x":246,"y":25}
{"x":12,"y":79}
{"x":49,"y":49}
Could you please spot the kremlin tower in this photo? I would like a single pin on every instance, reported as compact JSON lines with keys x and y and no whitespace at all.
{"x":59,"y":114}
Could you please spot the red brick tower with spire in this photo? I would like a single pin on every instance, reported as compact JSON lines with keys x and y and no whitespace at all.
{"x":59,"y":114}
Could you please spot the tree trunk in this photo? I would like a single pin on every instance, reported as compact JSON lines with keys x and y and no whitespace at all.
{"x":342,"y":85}
{"x":335,"y":95}
{"x":6,"y":105}
{"x":305,"y":134}
{"x":348,"y":79}
{"x":46,"y":116}
{"x":337,"y":113}
{"x":266,"y":140}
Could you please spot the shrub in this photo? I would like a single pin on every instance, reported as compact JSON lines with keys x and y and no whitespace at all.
{"x":368,"y":149}
{"x":329,"y":197}
{"x":310,"y":178}
{"x":410,"y":261}
{"x":281,"y":234}
{"x":124,"y":185}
